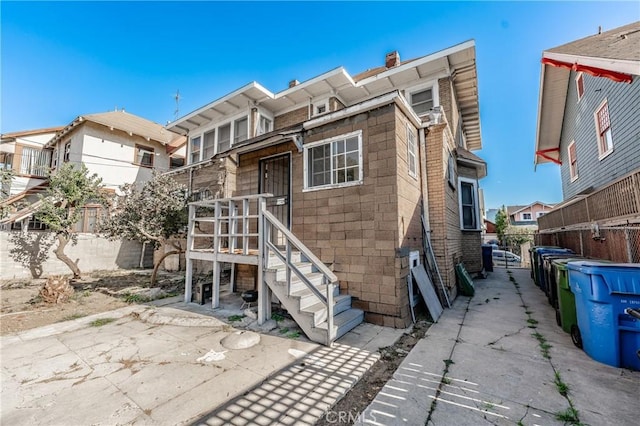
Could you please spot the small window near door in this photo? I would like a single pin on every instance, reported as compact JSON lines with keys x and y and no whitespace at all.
{"x":144,"y":156}
{"x":334,"y":162}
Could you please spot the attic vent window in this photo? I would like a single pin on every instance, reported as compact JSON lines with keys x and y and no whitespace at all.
{"x":422,"y":101}
{"x":320,"y":107}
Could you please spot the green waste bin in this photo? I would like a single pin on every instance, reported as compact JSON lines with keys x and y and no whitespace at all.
{"x":566,"y":316}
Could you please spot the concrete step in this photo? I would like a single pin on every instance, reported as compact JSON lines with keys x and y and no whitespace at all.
{"x":297,"y":284}
{"x":307,"y":298}
{"x":281,"y":270}
{"x":345,"y":321}
{"x":319,"y":310}
{"x":274,"y":261}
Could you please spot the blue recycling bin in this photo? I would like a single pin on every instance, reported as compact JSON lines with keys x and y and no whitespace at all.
{"x":602,"y":292}
{"x":487,"y":257}
{"x":538,"y":267}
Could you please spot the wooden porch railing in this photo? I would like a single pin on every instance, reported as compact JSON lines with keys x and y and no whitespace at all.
{"x":242,"y":230}
{"x":616,"y":202}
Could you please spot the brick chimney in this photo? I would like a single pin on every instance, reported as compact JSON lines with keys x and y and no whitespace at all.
{"x":392,"y":59}
{"x":293,"y":83}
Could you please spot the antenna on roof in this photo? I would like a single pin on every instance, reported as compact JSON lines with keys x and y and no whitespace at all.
{"x":177,"y":98}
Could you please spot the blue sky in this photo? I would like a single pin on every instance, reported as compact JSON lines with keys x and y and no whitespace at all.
{"x":61,"y":60}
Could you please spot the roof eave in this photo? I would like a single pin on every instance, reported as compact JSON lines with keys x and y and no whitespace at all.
{"x":626,"y":66}
{"x":253,"y":85}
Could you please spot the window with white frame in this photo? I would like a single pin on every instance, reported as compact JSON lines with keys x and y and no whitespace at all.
{"x":468,"y":199}
{"x":603,"y":129}
{"x":35,"y":162}
{"x":540,"y":214}
{"x":573,"y":161}
{"x":265,"y":125}
{"x":412,"y":151}
{"x":526,"y":216}
{"x":144,"y":155}
{"x":194,"y":149}
{"x":422,"y":100}
{"x":209,"y":144}
{"x":334,"y":162}
{"x":67,"y":152}
{"x":224,"y":138}
{"x":240,"y":130}
{"x":580,"y":85}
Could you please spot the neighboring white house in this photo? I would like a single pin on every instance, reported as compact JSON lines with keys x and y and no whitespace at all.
{"x":117,"y":146}
{"x":24,"y":152}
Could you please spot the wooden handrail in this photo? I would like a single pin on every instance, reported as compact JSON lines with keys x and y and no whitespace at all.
{"x":328,"y":276}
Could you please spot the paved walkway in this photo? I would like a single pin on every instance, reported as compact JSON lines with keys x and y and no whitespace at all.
{"x":142,"y":365}
{"x":481,"y":364}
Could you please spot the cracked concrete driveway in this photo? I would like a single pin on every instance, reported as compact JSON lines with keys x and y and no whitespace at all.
{"x":499,"y":358}
{"x":142,"y":365}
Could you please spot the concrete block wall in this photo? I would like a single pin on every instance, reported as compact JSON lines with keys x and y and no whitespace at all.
{"x":356,"y":229}
{"x":290,"y":118}
{"x":92,"y":253}
{"x":442,"y":211}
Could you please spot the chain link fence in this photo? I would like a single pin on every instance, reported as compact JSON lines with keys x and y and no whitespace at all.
{"x":618,"y":244}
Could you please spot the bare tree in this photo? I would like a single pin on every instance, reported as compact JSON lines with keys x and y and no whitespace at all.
{"x":155,"y":214}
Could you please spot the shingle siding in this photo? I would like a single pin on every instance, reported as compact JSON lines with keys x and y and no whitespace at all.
{"x":579,"y":125}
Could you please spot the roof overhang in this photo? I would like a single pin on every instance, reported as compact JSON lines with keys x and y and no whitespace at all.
{"x":22,"y":214}
{"x":458,"y":61}
{"x":469,"y":159}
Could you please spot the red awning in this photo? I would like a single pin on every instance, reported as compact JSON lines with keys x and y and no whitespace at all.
{"x":596,"y":72}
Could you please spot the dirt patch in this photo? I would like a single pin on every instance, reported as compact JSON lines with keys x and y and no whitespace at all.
{"x":22,"y":309}
{"x":346,"y":410}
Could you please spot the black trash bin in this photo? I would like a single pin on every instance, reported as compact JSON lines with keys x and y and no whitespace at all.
{"x":487,"y":258}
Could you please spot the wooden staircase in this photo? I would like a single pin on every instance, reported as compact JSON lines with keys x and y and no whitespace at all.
{"x":241,"y":230}
{"x":304,"y":306}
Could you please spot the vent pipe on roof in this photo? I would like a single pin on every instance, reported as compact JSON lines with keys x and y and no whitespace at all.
{"x":392,"y":59}
{"x":293,"y":83}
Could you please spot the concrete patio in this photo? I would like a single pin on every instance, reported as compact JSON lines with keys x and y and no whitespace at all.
{"x":167,"y":366}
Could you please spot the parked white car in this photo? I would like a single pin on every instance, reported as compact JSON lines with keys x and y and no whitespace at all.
{"x":499,"y":257}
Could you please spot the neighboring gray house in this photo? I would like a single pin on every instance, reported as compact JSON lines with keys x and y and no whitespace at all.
{"x":588,"y":120}
{"x":589,"y":124}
